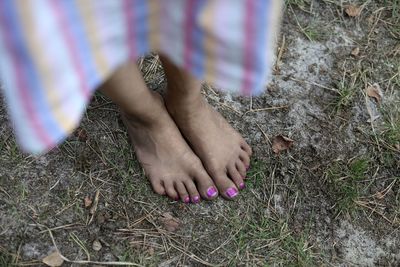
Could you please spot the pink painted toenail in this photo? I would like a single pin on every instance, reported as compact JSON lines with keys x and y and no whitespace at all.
{"x":176,"y":198}
{"x":211,"y":192}
{"x":242,"y":185}
{"x":196,"y":199}
{"x":186,"y":200}
{"x":231,"y":192}
{"x":248,"y":168}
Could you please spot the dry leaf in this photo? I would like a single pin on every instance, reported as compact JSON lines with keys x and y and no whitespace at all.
{"x":87,"y":201}
{"x":355,"y":51}
{"x":281,"y":143}
{"x":96,"y":245}
{"x":54,"y":259}
{"x":371,"y":20}
{"x":379,"y":195}
{"x":353,"y":10}
{"x":375,"y":92}
{"x":100,"y":219}
{"x":150,"y":251}
{"x":81,"y":134}
{"x":169,"y":222}
{"x":95,"y":203}
{"x":373,"y":118}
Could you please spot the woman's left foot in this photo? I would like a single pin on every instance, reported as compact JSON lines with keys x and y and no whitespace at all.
{"x":222,"y":150}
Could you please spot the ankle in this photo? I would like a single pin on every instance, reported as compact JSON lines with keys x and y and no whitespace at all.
{"x":183,"y":103}
{"x":145,"y":114}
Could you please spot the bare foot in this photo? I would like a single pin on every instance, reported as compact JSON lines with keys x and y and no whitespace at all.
{"x":223,"y":151}
{"x":168,"y":161}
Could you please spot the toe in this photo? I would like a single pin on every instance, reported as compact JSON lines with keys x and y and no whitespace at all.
{"x":170,"y":189}
{"x":205,"y":185}
{"x":157,"y":186}
{"x":183,"y":194}
{"x":193,"y":193}
{"x":225,"y":186}
{"x":235,"y":176}
{"x":240,"y":167}
{"x":246,"y":148}
{"x":244,"y":157}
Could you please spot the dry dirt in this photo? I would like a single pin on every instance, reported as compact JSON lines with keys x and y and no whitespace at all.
{"x":332,"y":199}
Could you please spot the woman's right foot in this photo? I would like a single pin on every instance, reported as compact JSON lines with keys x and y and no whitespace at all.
{"x":169,"y":163}
{"x":222,"y":150}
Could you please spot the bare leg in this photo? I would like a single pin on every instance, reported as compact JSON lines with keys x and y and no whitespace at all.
{"x":168,"y":161}
{"x":223,"y":151}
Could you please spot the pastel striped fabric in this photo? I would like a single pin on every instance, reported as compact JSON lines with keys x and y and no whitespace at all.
{"x":55,"y":53}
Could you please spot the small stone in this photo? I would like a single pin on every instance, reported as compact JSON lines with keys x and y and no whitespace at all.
{"x":355,"y":52}
{"x":54,"y":259}
{"x":353,"y":10}
{"x":96,"y":245}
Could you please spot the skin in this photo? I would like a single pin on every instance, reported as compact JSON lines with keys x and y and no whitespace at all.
{"x":222,"y":150}
{"x":187,"y":150}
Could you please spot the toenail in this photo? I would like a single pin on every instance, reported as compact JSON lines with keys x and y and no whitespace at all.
{"x":242,"y":185}
{"x":211,"y":192}
{"x":196,"y":199}
{"x":248,"y":168}
{"x":186,"y":199}
{"x":231,"y":192}
{"x":176,"y":198}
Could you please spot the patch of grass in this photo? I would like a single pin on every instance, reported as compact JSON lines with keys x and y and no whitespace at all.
{"x":5,"y":259}
{"x":142,"y":256}
{"x":344,"y":183}
{"x":127,"y":186}
{"x":302,"y":4}
{"x":262,"y":232}
{"x":391,"y":127}
{"x":273,"y":242}
{"x":394,"y":7}
{"x":392,"y":132}
{"x":394,"y":30}
{"x":10,"y":149}
{"x":396,"y":205}
{"x":254,"y":178}
{"x":312,"y":33}
{"x":23,"y":190}
{"x":345,"y":94}
{"x":387,"y":135}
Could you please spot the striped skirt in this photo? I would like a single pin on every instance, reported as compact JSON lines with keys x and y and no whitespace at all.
{"x":55,"y":53}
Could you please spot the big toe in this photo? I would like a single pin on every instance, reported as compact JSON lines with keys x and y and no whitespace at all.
{"x":205,"y":185}
{"x":225,"y":186}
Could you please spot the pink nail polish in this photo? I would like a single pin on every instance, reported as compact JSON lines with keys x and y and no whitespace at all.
{"x":242,"y":185}
{"x":186,"y":200}
{"x":196,"y":199}
{"x":212,"y":192}
{"x":231,"y":192}
{"x":248,"y":168}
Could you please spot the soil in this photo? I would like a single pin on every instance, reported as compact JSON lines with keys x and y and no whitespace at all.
{"x":332,"y":199}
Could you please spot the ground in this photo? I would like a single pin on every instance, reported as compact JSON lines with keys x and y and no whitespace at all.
{"x":331,"y":199}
